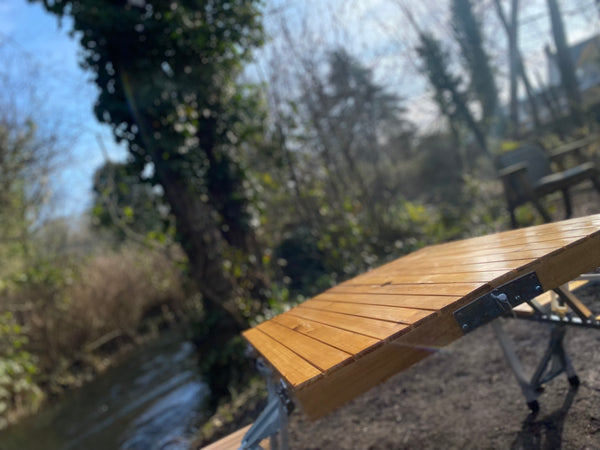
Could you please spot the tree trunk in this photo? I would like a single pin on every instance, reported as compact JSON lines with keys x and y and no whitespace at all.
{"x":217,"y":336}
{"x":512,"y":45}
{"x":565,"y":62}
{"x":529,"y":91}
{"x":217,"y":339}
{"x":517,"y":68}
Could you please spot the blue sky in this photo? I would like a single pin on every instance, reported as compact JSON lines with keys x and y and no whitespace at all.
{"x":28,"y":32}
{"x":373,"y":29}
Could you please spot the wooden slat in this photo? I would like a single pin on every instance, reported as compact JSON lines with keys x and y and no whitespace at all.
{"x":292,"y":367}
{"x":369,"y":327}
{"x":516,"y":246}
{"x":449,"y":266}
{"x":448,"y":289}
{"x":498,"y":240}
{"x":428,"y":302}
{"x":446,"y":278}
{"x":575,"y":259}
{"x":344,"y":340}
{"x":318,"y":399}
{"x":408,"y":316}
{"x":320,"y":355}
{"x":464,"y":249}
{"x":574,"y":303}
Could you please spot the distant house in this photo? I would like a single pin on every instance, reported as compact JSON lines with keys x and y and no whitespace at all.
{"x":586,"y":59}
{"x":550,"y":100}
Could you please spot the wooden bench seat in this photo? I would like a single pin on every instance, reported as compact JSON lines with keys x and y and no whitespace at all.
{"x":232,"y":441}
{"x":352,"y":337}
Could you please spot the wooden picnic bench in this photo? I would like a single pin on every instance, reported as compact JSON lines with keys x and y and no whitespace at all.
{"x":341,"y":343}
{"x":527,"y":176}
{"x":576,"y":150}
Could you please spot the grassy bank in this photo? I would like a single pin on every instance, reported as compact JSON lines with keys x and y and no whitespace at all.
{"x":67,"y":319}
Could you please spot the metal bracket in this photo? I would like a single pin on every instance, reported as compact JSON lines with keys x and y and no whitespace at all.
{"x":565,"y":308}
{"x":498,"y":302}
{"x":272,"y":421}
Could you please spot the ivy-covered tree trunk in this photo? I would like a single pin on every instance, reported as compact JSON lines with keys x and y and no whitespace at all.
{"x":448,"y":95}
{"x":217,"y":336}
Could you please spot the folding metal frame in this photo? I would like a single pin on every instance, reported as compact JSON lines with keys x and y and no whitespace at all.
{"x":273,"y":420}
{"x":564,"y":309}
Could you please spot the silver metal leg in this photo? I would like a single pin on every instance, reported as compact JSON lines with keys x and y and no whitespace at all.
{"x":272,"y":421}
{"x":510,"y":353}
{"x":554,"y":362}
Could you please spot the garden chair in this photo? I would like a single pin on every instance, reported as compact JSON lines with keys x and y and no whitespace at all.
{"x":527,"y":176}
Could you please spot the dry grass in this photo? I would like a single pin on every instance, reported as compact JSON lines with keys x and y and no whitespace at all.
{"x":107,"y":296}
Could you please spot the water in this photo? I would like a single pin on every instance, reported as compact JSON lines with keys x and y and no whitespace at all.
{"x":151,"y":401}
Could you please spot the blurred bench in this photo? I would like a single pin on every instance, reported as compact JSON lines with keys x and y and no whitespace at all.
{"x":527,"y":176}
{"x":577,"y":151}
{"x":341,"y":343}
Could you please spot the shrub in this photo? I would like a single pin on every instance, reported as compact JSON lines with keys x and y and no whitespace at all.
{"x":18,"y":392}
{"x":69,"y":306}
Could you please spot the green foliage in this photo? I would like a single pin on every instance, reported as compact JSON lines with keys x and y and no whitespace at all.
{"x":448,"y":92}
{"x":166,"y":75}
{"x":17,"y":161}
{"x":129,"y":207}
{"x":73,"y":307}
{"x":18,"y":390}
{"x":346,"y":244}
{"x":355,"y":130}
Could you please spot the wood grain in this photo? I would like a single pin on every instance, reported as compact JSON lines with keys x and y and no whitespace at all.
{"x":428,"y":289}
{"x":378,"y":329}
{"x":427,"y":302}
{"x":234,"y":440}
{"x":394,"y":314}
{"x":344,"y":340}
{"x":321,"y":355}
{"x":292,"y":367}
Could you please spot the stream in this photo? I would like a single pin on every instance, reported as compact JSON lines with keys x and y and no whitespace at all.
{"x":150,"y":401}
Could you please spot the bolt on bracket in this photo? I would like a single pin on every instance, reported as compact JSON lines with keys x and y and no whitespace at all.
{"x":498,"y":302}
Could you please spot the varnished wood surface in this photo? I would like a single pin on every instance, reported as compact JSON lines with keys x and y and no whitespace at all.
{"x":233,"y":441}
{"x":355,"y":335}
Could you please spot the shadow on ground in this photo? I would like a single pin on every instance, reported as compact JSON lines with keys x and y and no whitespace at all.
{"x":546,"y":432}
